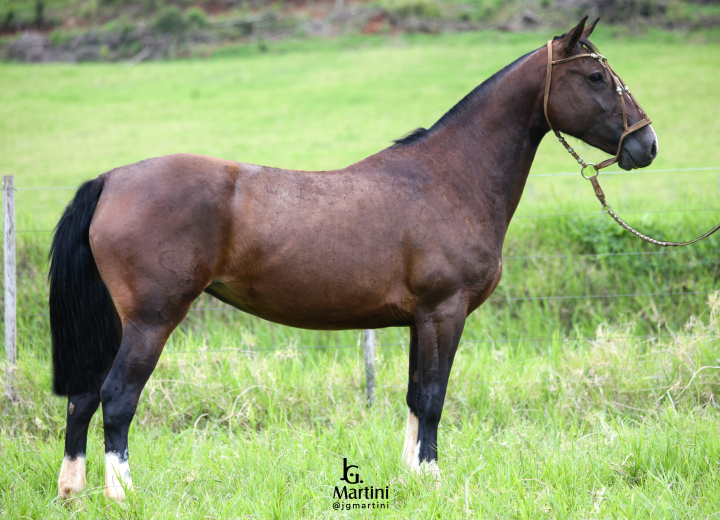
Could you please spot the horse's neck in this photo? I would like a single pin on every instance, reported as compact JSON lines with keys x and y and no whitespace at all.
{"x":489,"y":146}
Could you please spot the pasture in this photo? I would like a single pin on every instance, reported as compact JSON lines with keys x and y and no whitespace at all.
{"x":586,"y":388}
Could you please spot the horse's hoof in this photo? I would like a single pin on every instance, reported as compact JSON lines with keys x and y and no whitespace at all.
{"x":432,"y":470}
{"x":71,"y":482}
{"x":115,"y":493}
{"x":72,"y":500}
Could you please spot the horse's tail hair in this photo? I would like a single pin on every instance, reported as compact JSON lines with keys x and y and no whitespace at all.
{"x":83,"y":325}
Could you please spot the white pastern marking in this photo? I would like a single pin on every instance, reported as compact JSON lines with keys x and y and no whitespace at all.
{"x":411,"y":433}
{"x":416,"y":459}
{"x":117,"y":476}
{"x":426,"y":468}
{"x":431,"y":468}
{"x":72,"y":476}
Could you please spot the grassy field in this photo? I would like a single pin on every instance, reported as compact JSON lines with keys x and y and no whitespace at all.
{"x":582,"y":407}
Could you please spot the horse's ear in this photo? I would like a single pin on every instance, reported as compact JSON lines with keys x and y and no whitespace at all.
{"x":569,"y":42}
{"x":590,"y":28}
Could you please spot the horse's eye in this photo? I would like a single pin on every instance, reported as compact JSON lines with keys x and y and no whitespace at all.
{"x":596,"y":78}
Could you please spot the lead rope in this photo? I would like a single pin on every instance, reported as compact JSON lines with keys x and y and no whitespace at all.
{"x":606,"y":208}
{"x":621,"y":89}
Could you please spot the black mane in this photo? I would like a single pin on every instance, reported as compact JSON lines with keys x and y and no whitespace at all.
{"x":411,"y":137}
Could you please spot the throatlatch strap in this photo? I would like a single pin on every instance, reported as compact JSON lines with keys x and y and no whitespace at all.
{"x":548,"y":76}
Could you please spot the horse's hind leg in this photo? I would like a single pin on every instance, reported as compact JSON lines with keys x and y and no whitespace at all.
{"x":80,"y":410}
{"x":152,"y":292}
{"x":142,"y":343}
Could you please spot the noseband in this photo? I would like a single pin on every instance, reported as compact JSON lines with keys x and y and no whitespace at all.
{"x":621,"y":90}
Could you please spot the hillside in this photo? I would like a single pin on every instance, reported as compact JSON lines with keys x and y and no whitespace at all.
{"x":136,"y":30}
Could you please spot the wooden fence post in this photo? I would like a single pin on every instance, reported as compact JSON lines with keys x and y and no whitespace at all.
{"x":369,"y":355}
{"x":10,"y":285}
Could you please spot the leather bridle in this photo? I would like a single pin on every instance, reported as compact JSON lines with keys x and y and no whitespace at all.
{"x":621,"y":90}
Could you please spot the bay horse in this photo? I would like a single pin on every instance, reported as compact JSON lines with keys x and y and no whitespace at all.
{"x":409,"y":237}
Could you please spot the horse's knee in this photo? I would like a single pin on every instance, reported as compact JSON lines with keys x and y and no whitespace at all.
{"x":426,"y":401}
{"x":80,"y":410}
{"x":121,"y":390}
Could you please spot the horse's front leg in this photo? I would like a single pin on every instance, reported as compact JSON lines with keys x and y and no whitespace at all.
{"x":433,"y":342}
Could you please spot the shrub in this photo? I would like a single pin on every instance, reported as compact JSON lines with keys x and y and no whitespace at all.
{"x":417,"y":8}
{"x":196,"y":18}
{"x":8,"y":20}
{"x":170,"y":21}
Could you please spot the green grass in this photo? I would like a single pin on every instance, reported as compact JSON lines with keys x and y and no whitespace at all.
{"x":592,"y":421}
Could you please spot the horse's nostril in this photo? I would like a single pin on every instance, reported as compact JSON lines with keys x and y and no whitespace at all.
{"x":653,"y":150}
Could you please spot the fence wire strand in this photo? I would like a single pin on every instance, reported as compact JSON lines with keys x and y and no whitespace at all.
{"x":31,"y":274}
{"x":582,"y":339}
{"x":490,"y":300}
{"x":535,"y":216}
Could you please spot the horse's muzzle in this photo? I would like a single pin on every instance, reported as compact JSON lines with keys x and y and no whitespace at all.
{"x":639,"y":149}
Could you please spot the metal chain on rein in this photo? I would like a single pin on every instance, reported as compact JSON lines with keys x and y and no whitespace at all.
{"x":621,"y":90}
{"x":606,"y":208}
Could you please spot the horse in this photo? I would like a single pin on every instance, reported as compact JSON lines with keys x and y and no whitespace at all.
{"x":409,"y":237}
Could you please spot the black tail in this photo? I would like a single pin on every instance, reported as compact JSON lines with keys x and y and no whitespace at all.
{"x":85,"y":336}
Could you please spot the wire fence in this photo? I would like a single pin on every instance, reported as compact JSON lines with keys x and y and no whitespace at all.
{"x":536,"y":216}
{"x":499,"y":341}
{"x":528,"y":257}
{"x":493,"y":300}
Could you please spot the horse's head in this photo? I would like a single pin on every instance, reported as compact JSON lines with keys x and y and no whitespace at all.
{"x":587,"y":100}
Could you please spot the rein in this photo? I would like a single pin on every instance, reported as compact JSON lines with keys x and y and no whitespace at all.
{"x":621,"y":90}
